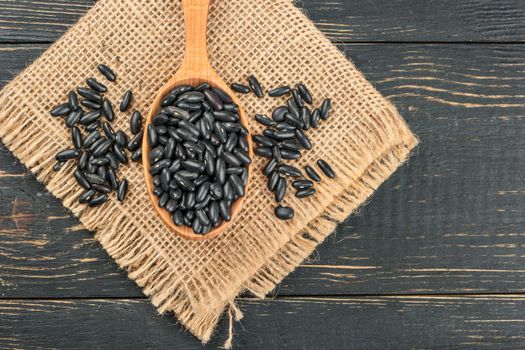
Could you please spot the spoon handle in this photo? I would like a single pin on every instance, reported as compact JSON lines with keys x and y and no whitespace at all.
{"x":195,"y":24}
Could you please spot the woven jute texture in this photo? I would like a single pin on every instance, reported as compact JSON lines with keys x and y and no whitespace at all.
{"x":365,"y":140}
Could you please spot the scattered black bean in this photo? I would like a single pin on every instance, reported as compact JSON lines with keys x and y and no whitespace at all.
{"x":240,"y":88}
{"x":98,"y":200}
{"x":126,"y":100}
{"x":279,"y":91}
{"x":312,"y":174}
{"x":58,"y":166}
{"x":107,"y":72}
{"x":302,"y":184}
{"x":307,"y":192}
{"x":72,"y":100}
{"x":76,"y":136}
{"x":284,"y":212}
{"x":86,"y":196}
{"x":61,"y":110}
{"x":326,"y":168}
{"x":135,"y":122}
{"x":94,"y":106}
{"x":325,"y":108}
{"x":264,"y":120}
{"x":107,"y":109}
{"x":305,"y":93}
{"x":122,"y":190}
{"x":255,"y":86}
{"x":67,"y":154}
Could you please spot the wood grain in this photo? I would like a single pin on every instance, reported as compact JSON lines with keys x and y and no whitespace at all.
{"x":340,"y":20}
{"x":458,"y":322}
{"x":448,"y":222}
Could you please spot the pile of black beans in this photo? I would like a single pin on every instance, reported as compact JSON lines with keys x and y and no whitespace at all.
{"x":98,"y":149}
{"x":285,"y":137}
{"x":199,"y":156}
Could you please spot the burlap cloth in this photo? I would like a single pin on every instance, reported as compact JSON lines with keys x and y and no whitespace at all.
{"x":365,"y":141}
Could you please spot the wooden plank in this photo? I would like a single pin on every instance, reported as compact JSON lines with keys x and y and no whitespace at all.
{"x":414,"y":322}
{"x":448,"y":222}
{"x":341,"y":20}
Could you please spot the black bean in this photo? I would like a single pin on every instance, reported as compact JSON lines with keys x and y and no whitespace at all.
{"x":280,"y":189}
{"x":108,"y":131}
{"x":93,"y":126}
{"x":82,"y":160}
{"x":307,"y":192}
{"x":263,"y":140}
{"x":178,"y":218}
{"x":168,"y":100}
{"x":231,"y":159}
{"x":73,"y":117}
{"x":303,"y":139}
{"x":242,"y":156}
{"x":99,"y":161}
{"x":193,"y":147}
{"x":163,"y":200}
{"x":270,"y":167}
{"x":306,"y":117}
{"x":225,"y":116}
{"x":202,"y":86}
{"x":126,"y":100}
{"x":278,"y":113}
{"x":284,"y":212}
{"x":136,"y":142}
{"x":279,"y":91}
{"x":165,"y":178}
{"x":302,"y":184}
{"x":158,"y":191}
{"x":213,"y":213}
{"x":76,"y":136}
{"x":156,"y":180}
{"x":316,"y":116}
{"x":120,"y":154}
{"x":135,"y":122}
{"x":305,"y":93}
{"x":227,"y":191}
{"x":86,"y":196}
{"x":291,"y":145}
{"x":102,"y":172}
{"x":289,"y":170}
{"x":121,"y":138}
{"x":220,"y":132}
{"x":89,"y":117}
{"x":186,"y":125}
{"x":276,"y":154}
{"x":231,"y":142}
{"x":90,"y":138}
{"x":326,"y":168}
{"x":224,"y":210}
{"x":264,"y":152}
{"x":312,"y":173}
{"x":97,"y":143}
{"x":243,"y":144}
{"x":237,"y":184}
{"x":264,"y":120}
{"x":223,"y":95}
{"x":325,"y":108}
{"x":107,"y":72}
{"x":89,"y":94}
{"x":153,"y":138}
{"x":137,"y":155}
{"x":231,"y":107}
{"x":297,"y":122}
{"x":175,"y":193}
{"x":186,"y":135}
{"x":171,"y":205}
{"x":284,"y":134}
{"x":94,"y":179}
{"x":102,"y":149}
{"x":240,"y":88}
{"x":176,"y":113}
{"x":214,"y":100}
{"x":90,"y":168}
{"x":188,"y":106}
{"x":161,"y":164}
{"x":107,"y":109}
{"x":193,"y":165}
{"x":61,"y":110}
{"x":72,"y":100}
{"x":184,"y":182}
{"x":67,"y":154}
{"x":202,"y":191}
{"x":255,"y":86}
{"x":58,"y":166}
{"x":112,"y":179}
{"x":297,"y":98}
{"x":98,"y":200}
{"x":293,"y":108}
{"x":113,"y":163}
{"x":196,"y":226}
{"x":189,"y":201}
{"x":91,"y":104}
{"x":220,"y":171}
{"x":232,"y":127}
{"x":191,"y":97}
{"x":201,"y":215}
{"x":96,"y":85}
{"x":81,"y":179}
{"x":290,"y":154}
{"x":216,"y":191}
{"x":285,"y":126}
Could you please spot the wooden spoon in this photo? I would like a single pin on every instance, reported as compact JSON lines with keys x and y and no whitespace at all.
{"x":195,"y":69}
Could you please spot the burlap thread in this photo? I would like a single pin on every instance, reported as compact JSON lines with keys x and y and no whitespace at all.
{"x":365,"y":141}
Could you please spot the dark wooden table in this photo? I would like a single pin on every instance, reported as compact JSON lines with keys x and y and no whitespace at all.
{"x":435,"y":260}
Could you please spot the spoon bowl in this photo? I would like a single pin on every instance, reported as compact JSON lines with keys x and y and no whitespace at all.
{"x":195,"y":69}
